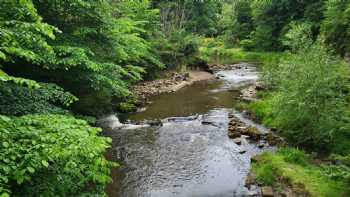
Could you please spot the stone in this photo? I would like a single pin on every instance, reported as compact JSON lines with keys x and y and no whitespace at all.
{"x":261,"y":145}
{"x":256,"y":159}
{"x":250,"y":180}
{"x":242,"y":151}
{"x":253,"y":133}
{"x":233,"y":123}
{"x":273,"y":139}
{"x":252,"y":193}
{"x":259,"y":86}
{"x":155,"y":123}
{"x":267,"y":191}
{"x":234,"y":134}
{"x":237,"y":141}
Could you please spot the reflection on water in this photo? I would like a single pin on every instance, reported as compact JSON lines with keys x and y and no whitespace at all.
{"x":198,"y":98}
{"x":185,"y":157}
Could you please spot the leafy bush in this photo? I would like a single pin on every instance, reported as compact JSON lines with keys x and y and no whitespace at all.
{"x":310,"y":98}
{"x":90,"y":44}
{"x":21,"y":100}
{"x":179,"y":49}
{"x":247,"y":44}
{"x":51,"y":155}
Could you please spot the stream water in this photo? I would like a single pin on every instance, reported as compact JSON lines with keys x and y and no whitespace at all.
{"x":184,"y":156}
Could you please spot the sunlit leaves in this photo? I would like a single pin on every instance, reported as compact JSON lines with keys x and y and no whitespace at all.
{"x":58,"y":146}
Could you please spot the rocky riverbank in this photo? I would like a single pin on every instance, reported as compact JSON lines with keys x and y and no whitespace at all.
{"x":172,"y":82}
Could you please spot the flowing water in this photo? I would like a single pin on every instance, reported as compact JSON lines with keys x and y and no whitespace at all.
{"x":189,"y":154}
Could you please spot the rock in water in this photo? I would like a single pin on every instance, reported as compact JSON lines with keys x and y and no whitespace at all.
{"x":261,"y":145}
{"x":237,"y":141}
{"x":242,"y":151}
{"x":253,"y":133}
{"x":234,"y":134}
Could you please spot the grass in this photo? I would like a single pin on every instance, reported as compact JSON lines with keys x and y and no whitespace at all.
{"x":222,"y":55}
{"x":292,"y":165}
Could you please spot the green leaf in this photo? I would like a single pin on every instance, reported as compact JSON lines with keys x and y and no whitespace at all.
{"x":45,"y":163}
{"x":2,"y":55}
{"x":30,"y":169}
{"x":5,"y":144}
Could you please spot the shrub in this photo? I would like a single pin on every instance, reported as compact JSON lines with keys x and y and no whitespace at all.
{"x":21,"y":100}
{"x":310,"y":99}
{"x":51,"y":155}
{"x":247,"y":44}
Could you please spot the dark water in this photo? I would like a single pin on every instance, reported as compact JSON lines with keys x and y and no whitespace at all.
{"x":186,"y":156}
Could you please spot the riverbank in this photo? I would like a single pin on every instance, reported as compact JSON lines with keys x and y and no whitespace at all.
{"x":171,"y":82}
{"x":291,"y":172}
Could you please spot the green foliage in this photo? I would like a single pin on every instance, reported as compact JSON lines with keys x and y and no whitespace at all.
{"x":19,"y":81}
{"x":203,"y":17}
{"x":23,"y":34}
{"x":264,"y":22}
{"x":336,"y":25}
{"x":309,"y":103}
{"x":100,"y":47}
{"x":294,"y":156}
{"x":341,"y":170}
{"x":179,"y":49}
{"x":51,"y":155}
{"x":265,"y":174}
{"x":238,"y":21}
{"x":215,"y":51}
{"x":200,"y":17}
{"x":19,"y":100}
{"x":294,"y":167}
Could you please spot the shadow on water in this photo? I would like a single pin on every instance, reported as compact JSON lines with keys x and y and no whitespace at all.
{"x":184,"y":157}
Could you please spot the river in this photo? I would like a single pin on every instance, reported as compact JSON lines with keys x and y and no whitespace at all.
{"x":189,"y":154}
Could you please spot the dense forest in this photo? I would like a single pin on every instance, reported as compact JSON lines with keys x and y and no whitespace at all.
{"x":65,"y":62}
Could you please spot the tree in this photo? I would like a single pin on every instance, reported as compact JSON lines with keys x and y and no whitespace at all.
{"x":336,"y":25}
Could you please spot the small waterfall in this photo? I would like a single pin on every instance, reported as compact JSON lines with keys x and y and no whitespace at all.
{"x":110,"y":121}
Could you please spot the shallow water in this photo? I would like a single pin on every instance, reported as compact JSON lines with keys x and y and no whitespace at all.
{"x":186,"y":156}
